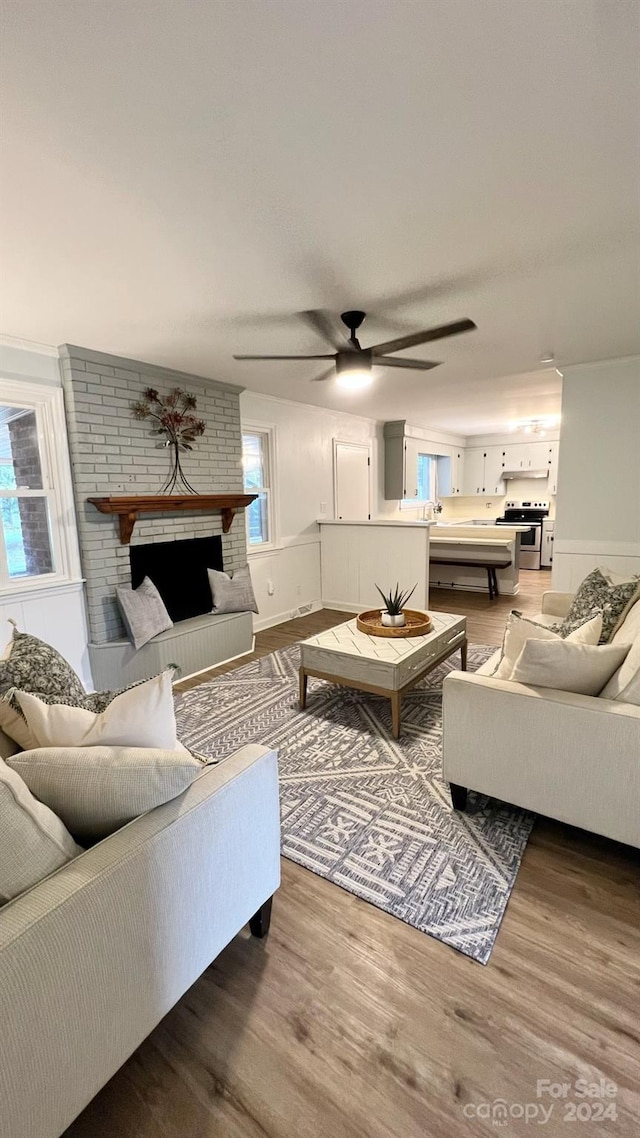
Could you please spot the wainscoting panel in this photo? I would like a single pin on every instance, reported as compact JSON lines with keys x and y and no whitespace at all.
{"x":56,"y":615}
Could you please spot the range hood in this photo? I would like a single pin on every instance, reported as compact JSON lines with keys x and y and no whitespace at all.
{"x":525,"y":472}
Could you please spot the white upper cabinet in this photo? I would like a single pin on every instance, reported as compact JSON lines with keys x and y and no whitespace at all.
{"x":553,"y":451}
{"x":473,"y":471}
{"x":525,"y":456}
{"x":482,"y":471}
{"x":493,"y":469}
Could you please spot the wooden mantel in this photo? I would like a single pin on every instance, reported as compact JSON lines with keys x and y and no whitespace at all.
{"x":128,"y":507}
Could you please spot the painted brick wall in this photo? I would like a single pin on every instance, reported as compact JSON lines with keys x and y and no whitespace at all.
{"x":112,"y":453}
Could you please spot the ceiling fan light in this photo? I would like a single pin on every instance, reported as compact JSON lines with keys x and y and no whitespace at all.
{"x":355,"y":379}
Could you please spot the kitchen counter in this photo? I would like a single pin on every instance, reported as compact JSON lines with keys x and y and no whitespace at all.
{"x":482,"y":543}
{"x":374,"y":522}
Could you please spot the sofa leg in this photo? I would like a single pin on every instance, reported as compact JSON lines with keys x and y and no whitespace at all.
{"x":260,"y":921}
{"x":458,"y":796}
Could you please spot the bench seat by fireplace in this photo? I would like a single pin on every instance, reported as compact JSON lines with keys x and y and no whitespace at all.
{"x":197,"y":643}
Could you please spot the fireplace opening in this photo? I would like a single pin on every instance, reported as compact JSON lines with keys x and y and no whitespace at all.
{"x":178,"y":569}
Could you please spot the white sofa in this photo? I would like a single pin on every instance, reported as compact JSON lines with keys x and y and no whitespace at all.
{"x":93,"y":956}
{"x":571,"y":757}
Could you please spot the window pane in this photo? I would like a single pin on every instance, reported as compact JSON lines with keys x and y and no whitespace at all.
{"x":27,"y":538}
{"x":258,"y":513}
{"x":20,"y":467}
{"x":424,"y":477}
{"x":253,"y":461}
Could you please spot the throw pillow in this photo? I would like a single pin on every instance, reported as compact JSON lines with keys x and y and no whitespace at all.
{"x":33,"y":841}
{"x":140,"y":716}
{"x":143,"y":612}
{"x":232,"y":592}
{"x":580,"y":668}
{"x":602,"y":591}
{"x":96,"y":790}
{"x":32,"y":665}
{"x":624,"y":684}
{"x":519,"y":630}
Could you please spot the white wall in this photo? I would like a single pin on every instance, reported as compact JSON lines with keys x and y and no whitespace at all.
{"x":303,"y":478}
{"x":598,"y":502}
{"x":56,"y":613}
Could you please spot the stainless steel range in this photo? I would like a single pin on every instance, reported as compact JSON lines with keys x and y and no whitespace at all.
{"x":527,"y":512}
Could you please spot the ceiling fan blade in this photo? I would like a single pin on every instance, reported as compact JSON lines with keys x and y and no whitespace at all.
{"x":325,"y":357}
{"x":416,"y":338}
{"x":320,"y":322}
{"x":325,"y":375}
{"x":391,"y":361}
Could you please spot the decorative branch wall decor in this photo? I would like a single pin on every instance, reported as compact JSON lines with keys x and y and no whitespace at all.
{"x":172,"y":416}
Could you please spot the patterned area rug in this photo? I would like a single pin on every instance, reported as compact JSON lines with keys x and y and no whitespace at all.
{"x":364,"y":810}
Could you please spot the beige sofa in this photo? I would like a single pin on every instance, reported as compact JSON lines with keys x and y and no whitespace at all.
{"x":93,"y":956}
{"x":571,"y":757}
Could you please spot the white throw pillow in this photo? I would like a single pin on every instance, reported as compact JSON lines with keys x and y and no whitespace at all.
{"x":33,"y":842}
{"x":580,"y":668}
{"x":519,"y":630}
{"x":141,"y":716}
{"x":143,"y":612}
{"x":96,"y":790}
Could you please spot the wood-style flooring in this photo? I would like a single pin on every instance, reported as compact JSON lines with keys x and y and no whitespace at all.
{"x":346,"y":1023}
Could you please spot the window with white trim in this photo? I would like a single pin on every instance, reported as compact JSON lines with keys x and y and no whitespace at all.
{"x":257,"y":467}
{"x":34,"y":549}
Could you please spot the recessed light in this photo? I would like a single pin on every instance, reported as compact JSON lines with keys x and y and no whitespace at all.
{"x":548,"y":358}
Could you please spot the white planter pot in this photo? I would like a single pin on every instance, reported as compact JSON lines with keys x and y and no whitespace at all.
{"x":392,"y":621}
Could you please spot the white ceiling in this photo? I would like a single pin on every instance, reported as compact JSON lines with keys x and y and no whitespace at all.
{"x":182,"y":177}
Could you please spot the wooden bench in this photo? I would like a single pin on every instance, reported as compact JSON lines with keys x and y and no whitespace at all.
{"x":469,"y":562}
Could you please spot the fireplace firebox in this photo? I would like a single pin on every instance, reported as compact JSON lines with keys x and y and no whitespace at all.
{"x":178,"y":569}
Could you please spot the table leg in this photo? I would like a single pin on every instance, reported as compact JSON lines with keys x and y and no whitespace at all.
{"x":463,"y":655}
{"x":395,"y":713}
{"x":303,"y":688}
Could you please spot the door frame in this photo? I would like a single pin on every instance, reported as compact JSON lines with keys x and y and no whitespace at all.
{"x":359,"y":446}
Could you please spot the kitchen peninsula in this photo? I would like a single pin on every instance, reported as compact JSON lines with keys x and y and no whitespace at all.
{"x":482,"y":543}
{"x":358,"y":555}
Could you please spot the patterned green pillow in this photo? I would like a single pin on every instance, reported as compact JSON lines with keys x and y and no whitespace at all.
{"x":36,"y":667}
{"x":601,"y":592}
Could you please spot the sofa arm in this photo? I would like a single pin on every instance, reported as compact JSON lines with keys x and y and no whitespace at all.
{"x":555,"y":603}
{"x":95,"y":955}
{"x":572,"y":757}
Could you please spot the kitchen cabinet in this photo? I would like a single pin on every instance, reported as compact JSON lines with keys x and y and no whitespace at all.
{"x":553,"y":451}
{"x":483,"y":471}
{"x":402,"y":452}
{"x":473,"y":471}
{"x":457,"y":471}
{"x":525,"y":456}
{"x":493,"y":468}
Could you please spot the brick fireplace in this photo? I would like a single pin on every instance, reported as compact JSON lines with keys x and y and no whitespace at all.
{"x":112,"y":453}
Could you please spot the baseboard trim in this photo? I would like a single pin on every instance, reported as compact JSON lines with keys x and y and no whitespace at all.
{"x":290,"y":614}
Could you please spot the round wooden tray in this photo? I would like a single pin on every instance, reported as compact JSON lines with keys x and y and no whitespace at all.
{"x":417,"y":624}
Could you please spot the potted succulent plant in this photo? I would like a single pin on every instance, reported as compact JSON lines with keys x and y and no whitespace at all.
{"x":392,"y":615}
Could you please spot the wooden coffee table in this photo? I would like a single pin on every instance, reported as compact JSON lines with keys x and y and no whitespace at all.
{"x":387,"y":667}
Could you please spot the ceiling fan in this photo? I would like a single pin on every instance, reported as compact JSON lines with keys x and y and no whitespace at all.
{"x":352,"y":363}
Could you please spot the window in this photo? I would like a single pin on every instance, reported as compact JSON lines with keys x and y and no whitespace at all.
{"x":426,"y":478}
{"x":257,"y":464}
{"x":34,"y":549}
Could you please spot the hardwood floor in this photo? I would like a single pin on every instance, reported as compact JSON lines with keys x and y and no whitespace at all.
{"x":346,"y":1023}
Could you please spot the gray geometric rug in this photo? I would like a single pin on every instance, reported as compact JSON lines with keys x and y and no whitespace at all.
{"x":362,"y":809}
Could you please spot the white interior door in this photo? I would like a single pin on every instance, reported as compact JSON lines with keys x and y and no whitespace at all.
{"x":352,"y":494}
